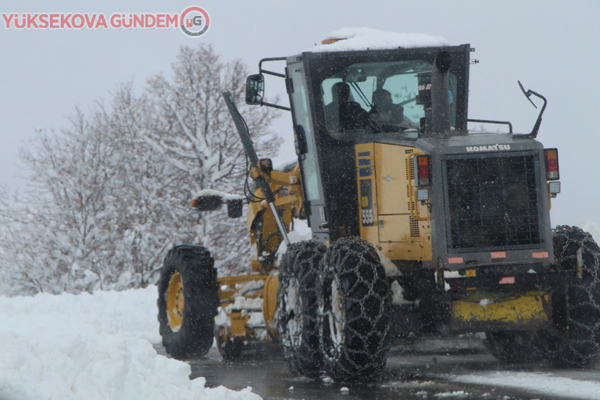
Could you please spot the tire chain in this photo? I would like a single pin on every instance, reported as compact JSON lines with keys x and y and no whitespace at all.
{"x":366,"y":304}
{"x":579,"y":342}
{"x":301,"y":264}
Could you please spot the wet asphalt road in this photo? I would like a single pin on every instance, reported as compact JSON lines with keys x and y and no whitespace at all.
{"x":413,"y":372}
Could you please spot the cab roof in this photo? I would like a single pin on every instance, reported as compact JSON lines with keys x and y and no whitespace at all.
{"x":353,"y":39}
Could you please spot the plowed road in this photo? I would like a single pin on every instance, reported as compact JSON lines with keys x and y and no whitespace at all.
{"x":448,"y":369}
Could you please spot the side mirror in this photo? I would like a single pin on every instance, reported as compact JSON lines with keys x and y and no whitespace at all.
{"x":255,"y":89}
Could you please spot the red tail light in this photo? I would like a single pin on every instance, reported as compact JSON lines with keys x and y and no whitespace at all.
{"x":422,"y":171}
{"x":551,"y":164}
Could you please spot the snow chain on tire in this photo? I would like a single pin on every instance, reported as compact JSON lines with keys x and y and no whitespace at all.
{"x":354,"y":311}
{"x":297,"y":307}
{"x":575,"y":339}
{"x":189,"y":269}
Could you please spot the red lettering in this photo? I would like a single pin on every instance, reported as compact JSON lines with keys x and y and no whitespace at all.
{"x":80,"y":19}
{"x":8,"y":19}
{"x":90,"y":24}
{"x":54,"y":21}
{"x":115,"y":22}
{"x":160,"y":21}
{"x":31,"y":21}
{"x":64,"y":21}
{"x":130,"y":19}
{"x":138,"y":21}
{"x":44,"y":21}
{"x":20,"y":26}
{"x":147,"y":17}
{"x":172,"y":19}
{"x":101,"y":22}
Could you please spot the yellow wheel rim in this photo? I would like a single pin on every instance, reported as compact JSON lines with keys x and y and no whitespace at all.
{"x":175,"y":302}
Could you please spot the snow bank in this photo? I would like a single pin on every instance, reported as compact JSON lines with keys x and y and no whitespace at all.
{"x":91,"y":347}
{"x":374,"y":39}
{"x":547,"y":384}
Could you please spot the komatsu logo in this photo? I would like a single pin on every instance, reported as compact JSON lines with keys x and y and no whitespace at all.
{"x":494,"y":147}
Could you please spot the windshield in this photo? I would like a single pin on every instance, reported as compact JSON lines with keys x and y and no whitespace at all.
{"x":377,"y":97}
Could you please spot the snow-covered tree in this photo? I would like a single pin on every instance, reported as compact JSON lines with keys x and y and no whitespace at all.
{"x":200,"y":142}
{"x":110,"y":194}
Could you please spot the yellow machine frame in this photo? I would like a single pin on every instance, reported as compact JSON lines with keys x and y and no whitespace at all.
{"x":401,"y":230}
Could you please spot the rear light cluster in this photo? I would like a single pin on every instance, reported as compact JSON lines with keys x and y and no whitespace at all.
{"x":552,"y":173}
{"x":552,"y":164}
{"x":422,"y":171}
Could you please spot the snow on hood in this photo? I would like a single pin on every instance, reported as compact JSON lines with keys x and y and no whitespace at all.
{"x":374,"y":39}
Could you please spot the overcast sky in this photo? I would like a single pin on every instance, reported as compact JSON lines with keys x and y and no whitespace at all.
{"x":552,"y":46}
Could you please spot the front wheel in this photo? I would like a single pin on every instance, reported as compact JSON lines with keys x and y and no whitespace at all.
{"x":187,"y":302}
{"x":354,"y":312}
{"x":297,"y":307}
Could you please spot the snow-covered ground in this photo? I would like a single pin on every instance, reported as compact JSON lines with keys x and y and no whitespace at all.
{"x":541,"y":383}
{"x":91,"y":347}
{"x":100,"y":347}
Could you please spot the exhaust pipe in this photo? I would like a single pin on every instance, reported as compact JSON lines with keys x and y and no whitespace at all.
{"x":437,"y":101}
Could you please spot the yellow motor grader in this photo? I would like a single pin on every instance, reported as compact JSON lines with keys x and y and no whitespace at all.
{"x":419,"y":227}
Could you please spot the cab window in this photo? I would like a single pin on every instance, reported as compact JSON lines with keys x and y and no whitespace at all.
{"x":376,"y":97}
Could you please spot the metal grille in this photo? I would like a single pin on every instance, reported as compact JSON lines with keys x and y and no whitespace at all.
{"x":414,"y":228}
{"x":492,"y":202}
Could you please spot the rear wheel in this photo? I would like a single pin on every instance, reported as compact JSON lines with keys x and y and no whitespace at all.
{"x":297,"y":307}
{"x":187,"y":302}
{"x":354,"y":311}
{"x":574,"y":340}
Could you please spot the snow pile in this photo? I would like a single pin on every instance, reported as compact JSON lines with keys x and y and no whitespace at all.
{"x":459,"y":393}
{"x":374,"y":39}
{"x":547,"y":384}
{"x":91,"y":347}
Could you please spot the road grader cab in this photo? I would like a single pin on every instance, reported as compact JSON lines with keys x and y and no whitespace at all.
{"x":419,"y":226}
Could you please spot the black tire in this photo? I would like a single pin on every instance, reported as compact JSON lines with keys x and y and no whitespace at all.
{"x":354,"y":312}
{"x":514,"y":347}
{"x":193,"y":336}
{"x":297,"y":307}
{"x":574,"y":340}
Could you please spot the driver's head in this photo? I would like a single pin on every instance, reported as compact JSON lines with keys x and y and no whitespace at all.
{"x":382,"y":96}
{"x":340,"y":92}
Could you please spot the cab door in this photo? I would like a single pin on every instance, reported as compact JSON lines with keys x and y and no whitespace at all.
{"x":306,"y":150}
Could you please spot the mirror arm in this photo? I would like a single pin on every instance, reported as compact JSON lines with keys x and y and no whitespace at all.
{"x":538,"y":122}
{"x":261,"y":70}
{"x":262,"y":103}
